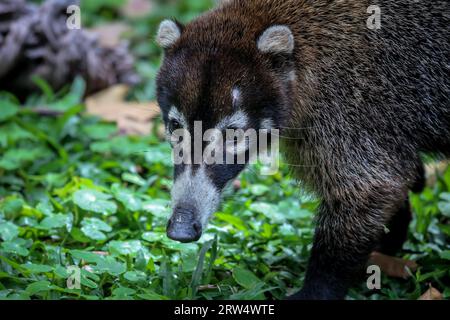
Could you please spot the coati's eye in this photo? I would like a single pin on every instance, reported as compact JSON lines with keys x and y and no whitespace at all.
{"x":174,"y":125}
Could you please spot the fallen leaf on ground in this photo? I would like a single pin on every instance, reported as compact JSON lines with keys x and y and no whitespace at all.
{"x":392,"y":266}
{"x":131,"y":117}
{"x":431,"y":294}
{"x":137,"y":8}
{"x":109,"y":35}
{"x":434,"y":170}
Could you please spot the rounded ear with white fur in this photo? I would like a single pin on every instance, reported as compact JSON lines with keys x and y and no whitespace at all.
{"x":168,"y":33}
{"x":277,"y":40}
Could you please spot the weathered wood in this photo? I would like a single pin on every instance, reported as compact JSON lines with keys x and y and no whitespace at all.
{"x":35,"y":41}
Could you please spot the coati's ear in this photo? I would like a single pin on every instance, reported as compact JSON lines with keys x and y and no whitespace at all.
{"x":168,"y":33}
{"x":277,"y":40}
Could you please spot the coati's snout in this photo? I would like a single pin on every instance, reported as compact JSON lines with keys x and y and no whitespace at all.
{"x":196,"y":195}
{"x":184,"y":226}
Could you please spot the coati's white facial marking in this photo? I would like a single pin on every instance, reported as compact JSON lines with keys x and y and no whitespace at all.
{"x":168,"y":34}
{"x":198,"y":190}
{"x":238,"y":120}
{"x":267,"y":124}
{"x":236,"y":96}
{"x":292,"y":76}
{"x":277,"y":39}
{"x":175,"y":115}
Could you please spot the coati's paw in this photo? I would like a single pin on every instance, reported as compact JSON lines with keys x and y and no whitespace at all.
{"x":392,"y":266}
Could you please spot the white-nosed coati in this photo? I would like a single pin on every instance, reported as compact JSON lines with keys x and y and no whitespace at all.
{"x":359,"y":105}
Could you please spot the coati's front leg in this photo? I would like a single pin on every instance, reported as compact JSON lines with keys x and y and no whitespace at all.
{"x":347,"y":232}
{"x":392,"y":241}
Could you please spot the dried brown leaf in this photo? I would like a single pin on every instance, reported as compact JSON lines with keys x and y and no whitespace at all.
{"x":131,"y":117}
{"x":109,"y":35}
{"x":434,"y":170}
{"x":137,"y":8}
{"x":431,"y":294}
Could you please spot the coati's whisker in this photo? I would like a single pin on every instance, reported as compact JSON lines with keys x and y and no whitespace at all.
{"x":285,"y":137}
{"x":295,"y":128}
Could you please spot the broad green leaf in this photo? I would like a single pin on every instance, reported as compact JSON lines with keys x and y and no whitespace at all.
{"x":78,"y":235}
{"x":17,"y":158}
{"x":245,"y":278}
{"x":99,"y":131}
{"x":11,"y":206}
{"x":94,"y":201}
{"x":37,"y":268}
{"x":127,"y":198}
{"x":161,"y":154}
{"x":233,"y":220}
{"x":7,"y":110}
{"x":159,"y":208}
{"x":61,"y":272}
{"x":259,"y":189}
{"x":19,"y":296}
{"x":55,"y":221}
{"x":110,"y":265}
{"x":39,"y":286}
{"x":445,"y":254}
{"x":292,"y":210}
{"x":93,"y":228}
{"x":89,"y":279}
{"x":46,"y":208}
{"x":11,"y":133}
{"x":100,"y":263}
{"x":133,"y":178}
{"x":131,"y":247}
{"x":8,"y":230}
{"x":135,"y":276}
{"x":125,"y":147}
{"x":123,"y":293}
{"x":178,"y":246}
{"x":445,"y":196}
{"x":16,"y":246}
{"x":271,"y":211}
{"x":444,"y":207}
{"x":89,"y":257}
{"x":153,"y":236}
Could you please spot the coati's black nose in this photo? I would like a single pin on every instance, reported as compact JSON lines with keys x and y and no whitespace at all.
{"x":183,"y":225}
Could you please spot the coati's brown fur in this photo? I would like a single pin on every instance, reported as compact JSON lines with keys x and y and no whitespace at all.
{"x":362,"y":105}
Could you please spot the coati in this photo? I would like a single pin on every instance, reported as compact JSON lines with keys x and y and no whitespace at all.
{"x":359,"y":105}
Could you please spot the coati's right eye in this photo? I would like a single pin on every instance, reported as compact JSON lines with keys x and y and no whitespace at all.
{"x":174,"y":125}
